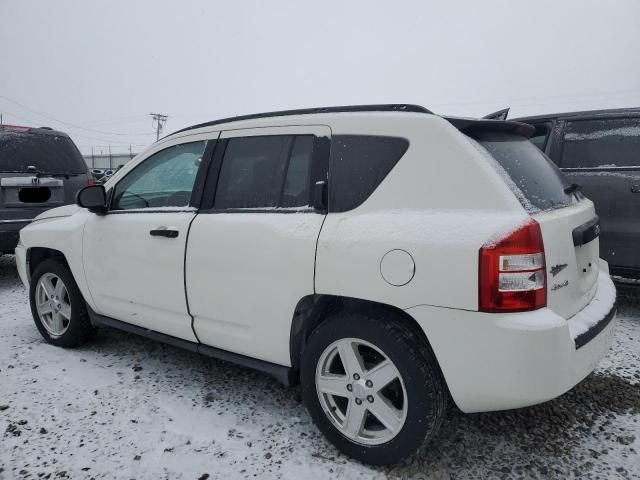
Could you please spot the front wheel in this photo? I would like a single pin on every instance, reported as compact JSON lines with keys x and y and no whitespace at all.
{"x":57,"y":306}
{"x":373,"y":387}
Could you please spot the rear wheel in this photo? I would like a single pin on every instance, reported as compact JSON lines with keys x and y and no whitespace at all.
{"x":57,"y":306}
{"x":372,"y":387}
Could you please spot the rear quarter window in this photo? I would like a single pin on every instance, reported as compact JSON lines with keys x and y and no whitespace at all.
{"x":358,"y":164}
{"x":48,"y":153}
{"x":531,"y":175}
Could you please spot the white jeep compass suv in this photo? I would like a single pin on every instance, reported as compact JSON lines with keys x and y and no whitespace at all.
{"x":385,"y":257}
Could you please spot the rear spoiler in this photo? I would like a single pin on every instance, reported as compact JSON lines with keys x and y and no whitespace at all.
{"x":475,"y":125}
{"x":499,"y":115}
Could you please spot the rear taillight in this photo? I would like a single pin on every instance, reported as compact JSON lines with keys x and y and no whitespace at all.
{"x":91,"y":182}
{"x":512,"y":274}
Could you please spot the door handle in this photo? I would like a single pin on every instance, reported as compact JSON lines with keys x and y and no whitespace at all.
{"x":635,"y":188}
{"x":164,"y":232}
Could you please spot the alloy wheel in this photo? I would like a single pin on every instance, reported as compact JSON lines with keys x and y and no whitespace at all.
{"x":361,"y":391}
{"x":53,"y":304}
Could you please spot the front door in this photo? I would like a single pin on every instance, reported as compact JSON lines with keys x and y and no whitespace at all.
{"x":134,"y":255}
{"x":251,"y":254}
{"x":603,"y":156}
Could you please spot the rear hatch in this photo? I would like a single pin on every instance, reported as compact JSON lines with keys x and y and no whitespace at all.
{"x":568,"y":221}
{"x":39,"y":169}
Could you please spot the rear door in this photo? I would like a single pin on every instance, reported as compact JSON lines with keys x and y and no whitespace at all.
{"x":251,"y":251}
{"x":567,"y":220}
{"x":603,"y":156}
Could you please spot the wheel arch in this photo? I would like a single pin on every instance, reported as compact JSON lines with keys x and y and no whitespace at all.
{"x":36,"y":255}
{"x":312,"y":310}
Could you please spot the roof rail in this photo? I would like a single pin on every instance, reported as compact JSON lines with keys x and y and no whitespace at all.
{"x":390,"y":107}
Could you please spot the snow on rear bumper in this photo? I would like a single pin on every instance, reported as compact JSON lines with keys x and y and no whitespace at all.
{"x":593,"y":318}
{"x":503,"y":361}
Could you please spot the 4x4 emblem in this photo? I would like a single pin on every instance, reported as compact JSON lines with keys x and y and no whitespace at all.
{"x":556,"y":269}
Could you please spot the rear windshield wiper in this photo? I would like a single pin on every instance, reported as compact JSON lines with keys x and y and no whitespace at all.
{"x":574,"y":187}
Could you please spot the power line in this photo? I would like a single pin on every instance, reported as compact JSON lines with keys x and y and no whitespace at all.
{"x":121,"y":121}
{"x":18,"y":116}
{"x":105,"y":140}
{"x":159,"y":120}
{"x":75,"y":134}
{"x":48,"y":117}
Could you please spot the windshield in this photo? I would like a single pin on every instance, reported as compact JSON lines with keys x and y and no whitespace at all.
{"x":538,"y":183}
{"x":47,"y":153}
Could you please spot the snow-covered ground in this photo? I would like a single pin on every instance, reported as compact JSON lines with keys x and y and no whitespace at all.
{"x":126,"y":407}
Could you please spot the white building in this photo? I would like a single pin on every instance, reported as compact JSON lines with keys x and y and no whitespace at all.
{"x":108,"y":160}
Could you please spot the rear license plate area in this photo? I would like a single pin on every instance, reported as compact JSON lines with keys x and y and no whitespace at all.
{"x":32,"y":191}
{"x":587,"y":249}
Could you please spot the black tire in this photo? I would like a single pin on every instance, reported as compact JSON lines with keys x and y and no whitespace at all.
{"x":79,"y":329}
{"x":425,"y":387}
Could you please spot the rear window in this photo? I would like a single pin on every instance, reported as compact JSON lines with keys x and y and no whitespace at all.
{"x":602,"y":143}
{"x":536,"y":181}
{"x":47,"y":153}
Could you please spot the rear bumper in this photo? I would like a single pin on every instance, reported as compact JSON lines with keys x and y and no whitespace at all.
{"x":505,"y":361}
{"x":9,"y":233}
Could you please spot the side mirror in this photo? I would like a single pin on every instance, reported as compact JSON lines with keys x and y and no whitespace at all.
{"x":93,"y":198}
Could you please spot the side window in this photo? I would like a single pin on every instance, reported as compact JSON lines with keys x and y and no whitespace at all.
{"x":602,"y":143}
{"x":358,"y":165}
{"x":265,"y":172}
{"x":165,"y":179}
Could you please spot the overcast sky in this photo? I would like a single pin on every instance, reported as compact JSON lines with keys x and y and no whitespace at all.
{"x":105,"y":65}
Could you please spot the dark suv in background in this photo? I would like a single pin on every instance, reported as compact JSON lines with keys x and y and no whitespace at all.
{"x":40,"y":168}
{"x":600,"y":151}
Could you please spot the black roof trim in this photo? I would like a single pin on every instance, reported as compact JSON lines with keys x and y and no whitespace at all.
{"x":391,"y":107}
{"x":474,"y":125}
{"x":611,"y":112}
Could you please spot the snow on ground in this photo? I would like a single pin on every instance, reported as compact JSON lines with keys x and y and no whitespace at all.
{"x":127,"y":407}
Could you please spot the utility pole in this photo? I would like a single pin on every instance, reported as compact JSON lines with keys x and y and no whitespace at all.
{"x":159,"y":121}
